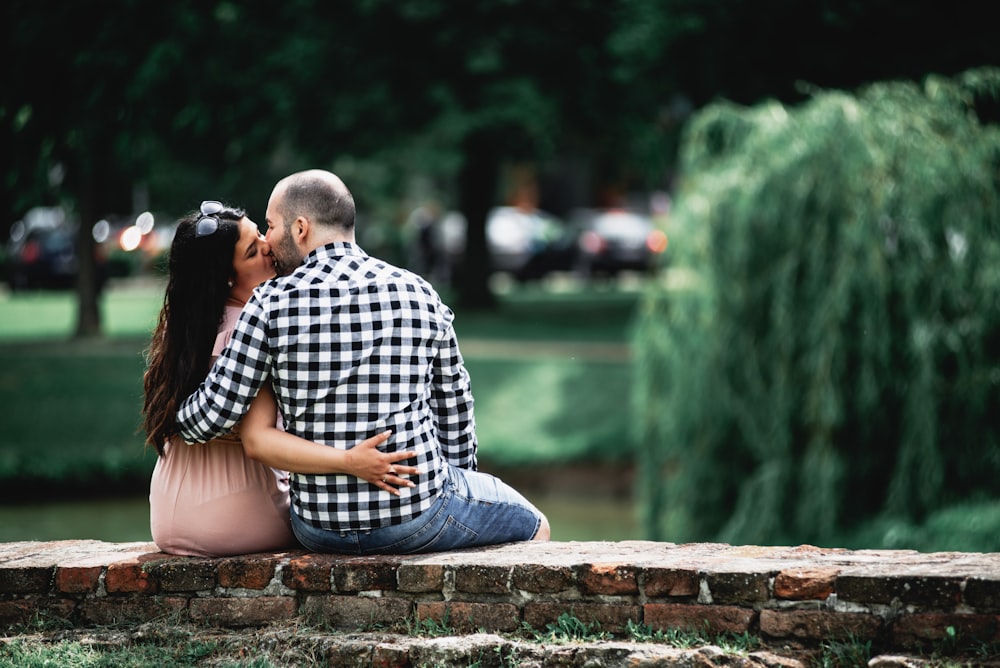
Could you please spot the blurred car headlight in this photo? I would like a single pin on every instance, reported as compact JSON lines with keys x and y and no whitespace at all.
{"x":656,"y":241}
{"x":130,"y":238}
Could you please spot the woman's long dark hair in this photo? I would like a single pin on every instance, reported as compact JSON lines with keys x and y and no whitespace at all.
{"x":200,"y":270}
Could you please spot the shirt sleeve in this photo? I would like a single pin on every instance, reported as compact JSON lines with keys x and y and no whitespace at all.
{"x":234,"y":380}
{"x":452,"y":402}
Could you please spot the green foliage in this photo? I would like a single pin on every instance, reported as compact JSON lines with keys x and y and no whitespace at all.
{"x":570,"y":628}
{"x":833,"y":348}
{"x":962,"y":527}
{"x":737,"y":643}
{"x":849,"y":653}
{"x":731,"y":643}
{"x":430,"y":627}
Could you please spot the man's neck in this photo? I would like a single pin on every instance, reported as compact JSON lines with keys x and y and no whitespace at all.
{"x":331,"y":238}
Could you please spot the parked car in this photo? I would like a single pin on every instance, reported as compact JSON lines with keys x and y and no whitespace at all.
{"x":42,"y":252}
{"x":528,"y":244}
{"x":615,"y":240}
{"x":134,"y":244}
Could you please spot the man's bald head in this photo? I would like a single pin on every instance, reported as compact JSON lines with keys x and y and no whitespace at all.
{"x":307,"y":210}
{"x":318,"y":195}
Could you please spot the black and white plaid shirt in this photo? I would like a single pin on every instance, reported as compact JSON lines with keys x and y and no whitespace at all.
{"x":352,"y":346}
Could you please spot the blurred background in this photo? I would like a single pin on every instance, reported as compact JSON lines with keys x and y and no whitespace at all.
{"x":723,"y":270}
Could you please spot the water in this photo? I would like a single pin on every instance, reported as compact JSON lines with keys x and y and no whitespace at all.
{"x":115,"y":520}
{"x":127,"y":520}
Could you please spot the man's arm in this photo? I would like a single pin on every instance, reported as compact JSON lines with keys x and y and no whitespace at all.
{"x":452,"y":402}
{"x":236,"y":377}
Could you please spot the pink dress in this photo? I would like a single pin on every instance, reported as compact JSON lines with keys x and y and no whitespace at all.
{"x":212,"y":500}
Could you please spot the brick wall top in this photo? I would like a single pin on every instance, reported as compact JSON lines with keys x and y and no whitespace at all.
{"x":793,"y":595}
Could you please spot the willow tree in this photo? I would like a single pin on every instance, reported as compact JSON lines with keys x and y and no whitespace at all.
{"x":829,"y":347}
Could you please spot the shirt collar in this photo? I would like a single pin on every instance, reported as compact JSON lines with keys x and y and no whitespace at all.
{"x":334,"y":251}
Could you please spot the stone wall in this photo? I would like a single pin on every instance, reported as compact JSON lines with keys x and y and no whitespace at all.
{"x":788,"y":596}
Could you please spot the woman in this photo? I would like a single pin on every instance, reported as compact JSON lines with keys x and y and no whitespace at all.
{"x":216,"y":499}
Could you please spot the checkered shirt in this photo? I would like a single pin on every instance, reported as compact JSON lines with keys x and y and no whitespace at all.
{"x":352,"y":346}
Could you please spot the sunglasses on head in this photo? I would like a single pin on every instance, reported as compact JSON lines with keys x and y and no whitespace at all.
{"x":208,"y":223}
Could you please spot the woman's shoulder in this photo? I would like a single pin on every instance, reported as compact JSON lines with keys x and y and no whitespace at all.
{"x":229,"y":317}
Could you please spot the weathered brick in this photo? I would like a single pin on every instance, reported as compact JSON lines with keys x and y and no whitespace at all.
{"x":537,"y":583}
{"x":933,"y":592}
{"x":130,"y":577}
{"x":674,"y":582}
{"x":476,"y":579}
{"x":612,"y":617}
{"x":420,"y":578}
{"x":77,"y":579}
{"x":937,"y":592}
{"x":355,"y":612}
{"x":538,"y":579}
{"x":25,"y":579}
{"x":866,"y":589}
{"x":188,"y":574}
{"x":816,"y":625}
{"x":235,"y":612}
{"x":21,"y":611}
{"x":803,"y":584}
{"x":309,"y":572}
{"x":711,"y":618}
{"x":385,"y":655}
{"x":94,"y":555}
{"x":923,"y":630}
{"x":378,"y":654}
{"x":132,"y":609}
{"x":249,"y":572}
{"x":738,"y":588}
{"x":610,"y":579}
{"x":466,"y":617}
{"x":365,"y":573}
{"x":983,"y":594}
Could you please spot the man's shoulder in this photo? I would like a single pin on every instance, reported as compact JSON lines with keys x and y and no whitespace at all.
{"x":383,"y":275}
{"x":266,"y":291}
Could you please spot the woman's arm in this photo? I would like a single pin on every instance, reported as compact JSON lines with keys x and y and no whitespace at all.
{"x":268,"y":444}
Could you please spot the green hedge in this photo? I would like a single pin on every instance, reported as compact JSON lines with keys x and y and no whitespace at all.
{"x":832,"y":355}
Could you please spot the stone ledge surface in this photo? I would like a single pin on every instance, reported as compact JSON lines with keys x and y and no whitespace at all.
{"x":789,"y":596}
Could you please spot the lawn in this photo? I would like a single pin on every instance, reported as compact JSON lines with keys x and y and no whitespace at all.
{"x":550,"y":375}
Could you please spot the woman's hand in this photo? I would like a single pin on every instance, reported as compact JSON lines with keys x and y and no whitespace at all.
{"x":379,"y":468}
{"x":268,"y":444}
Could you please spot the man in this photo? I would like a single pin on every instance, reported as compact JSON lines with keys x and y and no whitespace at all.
{"x":354,"y":346}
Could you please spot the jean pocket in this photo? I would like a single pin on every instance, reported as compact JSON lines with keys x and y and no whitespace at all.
{"x":453,"y":535}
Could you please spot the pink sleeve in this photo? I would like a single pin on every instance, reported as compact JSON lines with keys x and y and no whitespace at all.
{"x":229,"y":317}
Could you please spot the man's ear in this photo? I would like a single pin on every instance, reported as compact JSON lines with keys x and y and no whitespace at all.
{"x":300,"y":229}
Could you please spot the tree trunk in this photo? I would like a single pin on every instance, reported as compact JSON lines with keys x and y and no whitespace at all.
{"x":477,"y":185}
{"x":88,"y":284}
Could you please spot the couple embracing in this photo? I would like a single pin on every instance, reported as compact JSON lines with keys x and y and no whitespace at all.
{"x":337,"y":413}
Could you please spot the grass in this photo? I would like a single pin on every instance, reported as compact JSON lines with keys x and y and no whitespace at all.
{"x":51,"y":316}
{"x":72,"y":411}
{"x":72,"y":408}
{"x":24,"y":654}
{"x":160,"y":645}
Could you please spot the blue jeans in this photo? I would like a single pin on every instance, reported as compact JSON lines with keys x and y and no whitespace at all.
{"x":474,"y":509}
